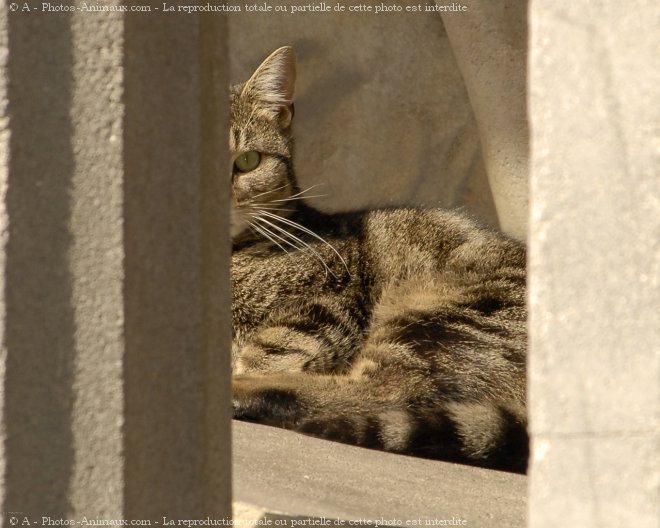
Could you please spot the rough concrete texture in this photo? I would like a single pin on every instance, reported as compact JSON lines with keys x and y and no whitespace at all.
{"x":96,"y":266}
{"x":489,"y":42}
{"x":290,"y":476}
{"x":382,"y":113}
{"x":40,"y":333}
{"x":594,"y":264}
{"x":115,"y":384}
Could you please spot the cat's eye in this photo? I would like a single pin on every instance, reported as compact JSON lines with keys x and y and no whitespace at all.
{"x":248,"y":161}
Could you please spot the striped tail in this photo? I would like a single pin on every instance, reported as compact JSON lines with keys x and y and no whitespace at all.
{"x":361,"y":412}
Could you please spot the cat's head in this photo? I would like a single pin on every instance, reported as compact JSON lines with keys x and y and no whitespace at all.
{"x":261,"y":144}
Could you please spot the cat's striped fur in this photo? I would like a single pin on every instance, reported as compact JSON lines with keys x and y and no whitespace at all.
{"x":400,"y":329}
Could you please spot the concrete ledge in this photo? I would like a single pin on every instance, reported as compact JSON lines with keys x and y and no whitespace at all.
{"x":294,"y":476}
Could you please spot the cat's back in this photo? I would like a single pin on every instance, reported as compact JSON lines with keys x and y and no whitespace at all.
{"x":408,"y":242}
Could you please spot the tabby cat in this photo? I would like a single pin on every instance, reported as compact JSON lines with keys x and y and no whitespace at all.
{"x":398,"y":329}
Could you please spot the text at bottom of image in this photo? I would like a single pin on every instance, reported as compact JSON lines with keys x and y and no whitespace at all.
{"x":24,"y":520}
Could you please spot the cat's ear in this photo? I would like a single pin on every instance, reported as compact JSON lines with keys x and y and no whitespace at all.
{"x":272,"y":84}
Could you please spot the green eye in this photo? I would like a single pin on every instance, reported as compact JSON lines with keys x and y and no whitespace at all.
{"x":248,"y":161}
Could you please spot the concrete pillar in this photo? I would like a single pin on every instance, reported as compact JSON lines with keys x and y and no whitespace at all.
{"x":489,"y":41}
{"x":594,"y":264}
{"x":114,"y":266}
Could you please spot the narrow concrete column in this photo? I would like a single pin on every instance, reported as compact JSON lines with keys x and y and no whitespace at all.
{"x":489,"y":41}
{"x":114,"y":262}
{"x":594,"y":264}
{"x":177,"y":254}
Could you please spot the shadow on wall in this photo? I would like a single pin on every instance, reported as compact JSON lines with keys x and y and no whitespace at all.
{"x":39,"y":313}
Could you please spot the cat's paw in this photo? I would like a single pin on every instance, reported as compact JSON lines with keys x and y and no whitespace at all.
{"x":255,"y":399}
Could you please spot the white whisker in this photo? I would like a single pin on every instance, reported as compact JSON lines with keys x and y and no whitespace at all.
{"x":264,"y":228}
{"x":303,"y":245}
{"x":269,"y":235}
{"x":299,"y":198}
{"x":307,"y":190}
{"x":301,"y":242}
{"x":295,"y":225}
{"x":303,"y":192}
{"x":261,"y":207}
{"x":287,"y":184}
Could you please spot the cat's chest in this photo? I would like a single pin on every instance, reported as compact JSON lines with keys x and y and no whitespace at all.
{"x":264,"y":279}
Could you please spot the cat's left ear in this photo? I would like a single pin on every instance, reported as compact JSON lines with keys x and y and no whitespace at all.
{"x":272,"y":84}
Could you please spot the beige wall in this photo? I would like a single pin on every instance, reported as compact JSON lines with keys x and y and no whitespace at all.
{"x":382,"y":112}
{"x":489,"y":42}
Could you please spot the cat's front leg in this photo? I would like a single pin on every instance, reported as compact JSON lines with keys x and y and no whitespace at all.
{"x":318,"y":335}
{"x":341,"y":408}
{"x":260,"y":398}
{"x":308,"y":403}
